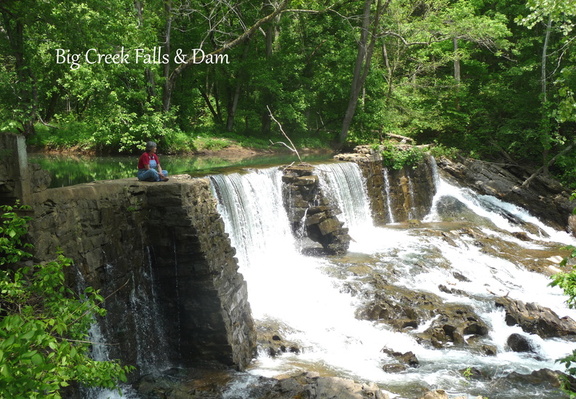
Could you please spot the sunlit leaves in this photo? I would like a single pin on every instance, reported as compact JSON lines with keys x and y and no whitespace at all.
{"x":563,"y":11}
{"x":44,"y":329}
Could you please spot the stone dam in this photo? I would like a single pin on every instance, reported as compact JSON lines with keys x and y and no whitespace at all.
{"x":160,"y":256}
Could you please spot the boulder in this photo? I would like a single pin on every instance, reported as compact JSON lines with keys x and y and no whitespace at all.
{"x":405,"y":309}
{"x":520,"y":343}
{"x":536,"y":319}
{"x":543,"y":380}
{"x":311,"y":215}
{"x":271,"y":338}
{"x":407,"y":358}
{"x":544,"y":197}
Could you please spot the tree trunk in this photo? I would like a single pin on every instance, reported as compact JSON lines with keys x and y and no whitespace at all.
{"x":168,"y":82}
{"x":544,"y":87}
{"x":389,"y":73}
{"x":233,"y":101}
{"x":26,"y":89}
{"x":457,"y":76}
{"x":148,"y":74}
{"x":213,"y":111}
{"x":543,"y":74}
{"x":267,"y":95}
{"x":362,"y":65}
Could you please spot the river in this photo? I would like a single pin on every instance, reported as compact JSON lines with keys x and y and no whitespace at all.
{"x":315,"y":301}
{"x":469,"y":250}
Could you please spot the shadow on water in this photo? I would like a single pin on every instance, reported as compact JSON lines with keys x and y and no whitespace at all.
{"x":67,"y":170}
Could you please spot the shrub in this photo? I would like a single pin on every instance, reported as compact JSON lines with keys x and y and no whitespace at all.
{"x":44,"y":342}
{"x":397,"y":157}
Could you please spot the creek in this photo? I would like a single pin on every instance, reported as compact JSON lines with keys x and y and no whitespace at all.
{"x":469,"y":250}
{"x":315,"y":301}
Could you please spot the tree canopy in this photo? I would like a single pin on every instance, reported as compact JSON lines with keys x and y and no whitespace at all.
{"x":493,"y":78}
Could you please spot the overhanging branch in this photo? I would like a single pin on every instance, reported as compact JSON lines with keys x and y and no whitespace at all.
{"x":231,"y":44}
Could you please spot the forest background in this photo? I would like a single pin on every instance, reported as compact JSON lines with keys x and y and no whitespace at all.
{"x":494,"y":79}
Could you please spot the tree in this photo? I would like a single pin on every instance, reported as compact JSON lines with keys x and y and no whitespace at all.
{"x":192,"y":59}
{"x":366,"y":45}
{"x":44,"y":343}
{"x":557,"y":107}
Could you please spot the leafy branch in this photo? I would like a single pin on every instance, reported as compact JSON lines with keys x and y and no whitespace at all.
{"x":44,"y":325}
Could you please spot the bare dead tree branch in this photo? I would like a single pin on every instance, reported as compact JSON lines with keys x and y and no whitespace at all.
{"x":233,"y":43}
{"x":291,"y":147}
{"x":545,"y":166}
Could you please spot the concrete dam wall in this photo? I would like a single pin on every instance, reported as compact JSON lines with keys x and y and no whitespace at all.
{"x":159,"y":254}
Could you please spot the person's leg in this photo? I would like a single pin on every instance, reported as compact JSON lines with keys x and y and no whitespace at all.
{"x":148,"y":175}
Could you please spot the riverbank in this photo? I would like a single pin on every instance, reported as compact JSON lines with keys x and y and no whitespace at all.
{"x":69,"y":167}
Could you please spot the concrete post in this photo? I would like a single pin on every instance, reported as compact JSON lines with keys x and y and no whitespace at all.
{"x":14,"y":174}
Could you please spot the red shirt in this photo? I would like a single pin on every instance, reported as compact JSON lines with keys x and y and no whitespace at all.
{"x":145,"y":159}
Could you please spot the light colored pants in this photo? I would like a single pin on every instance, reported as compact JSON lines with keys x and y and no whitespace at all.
{"x":150,"y":174}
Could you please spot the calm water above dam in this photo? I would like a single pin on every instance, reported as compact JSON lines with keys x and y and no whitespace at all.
{"x":67,"y":170}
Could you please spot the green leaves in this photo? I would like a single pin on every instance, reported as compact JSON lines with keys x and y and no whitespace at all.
{"x":567,"y":282}
{"x":12,"y":229}
{"x":397,"y":157}
{"x":44,"y":328}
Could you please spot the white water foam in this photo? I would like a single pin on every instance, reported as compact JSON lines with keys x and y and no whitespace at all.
{"x":296,"y":290}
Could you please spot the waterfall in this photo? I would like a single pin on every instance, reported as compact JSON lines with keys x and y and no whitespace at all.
{"x":501,"y":214}
{"x":412,"y":211}
{"x":316,"y":300}
{"x":344,"y":185}
{"x":388,"y":195}
{"x":252,"y":207}
{"x":100,"y":353}
{"x":151,"y":348}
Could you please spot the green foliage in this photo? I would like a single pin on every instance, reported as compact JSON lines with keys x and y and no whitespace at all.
{"x":567,"y":282}
{"x":12,"y":228}
{"x":467,"y":373}
{"x":398,"y":157}
{"x":302,"y":68}
{"x":211,"y":143}
{"x":439,"y":150}
{"x":44,"y":327}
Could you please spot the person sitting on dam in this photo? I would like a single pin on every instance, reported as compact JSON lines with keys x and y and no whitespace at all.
{"x":149,"y":168}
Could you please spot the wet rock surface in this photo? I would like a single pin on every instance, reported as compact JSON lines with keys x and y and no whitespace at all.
{"x":404,"y":361}
{"x":218,"y":384}
{"x":271,"y":338}
{"x":520,"y":343}
{"x":407,"y":310}
{"x":543,"y":196}
{"x":160,"y":254}
{"x":311,"y":214}
{"x":536,"y":319}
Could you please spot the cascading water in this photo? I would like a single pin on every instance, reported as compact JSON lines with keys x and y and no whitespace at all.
{"x":151,"y":348}
{"x":342,"y":183}
{"x":315,"y":300}
{"x":388,"y":195}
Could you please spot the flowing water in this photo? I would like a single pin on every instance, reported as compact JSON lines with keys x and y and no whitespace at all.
{"x":315,"y":300}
